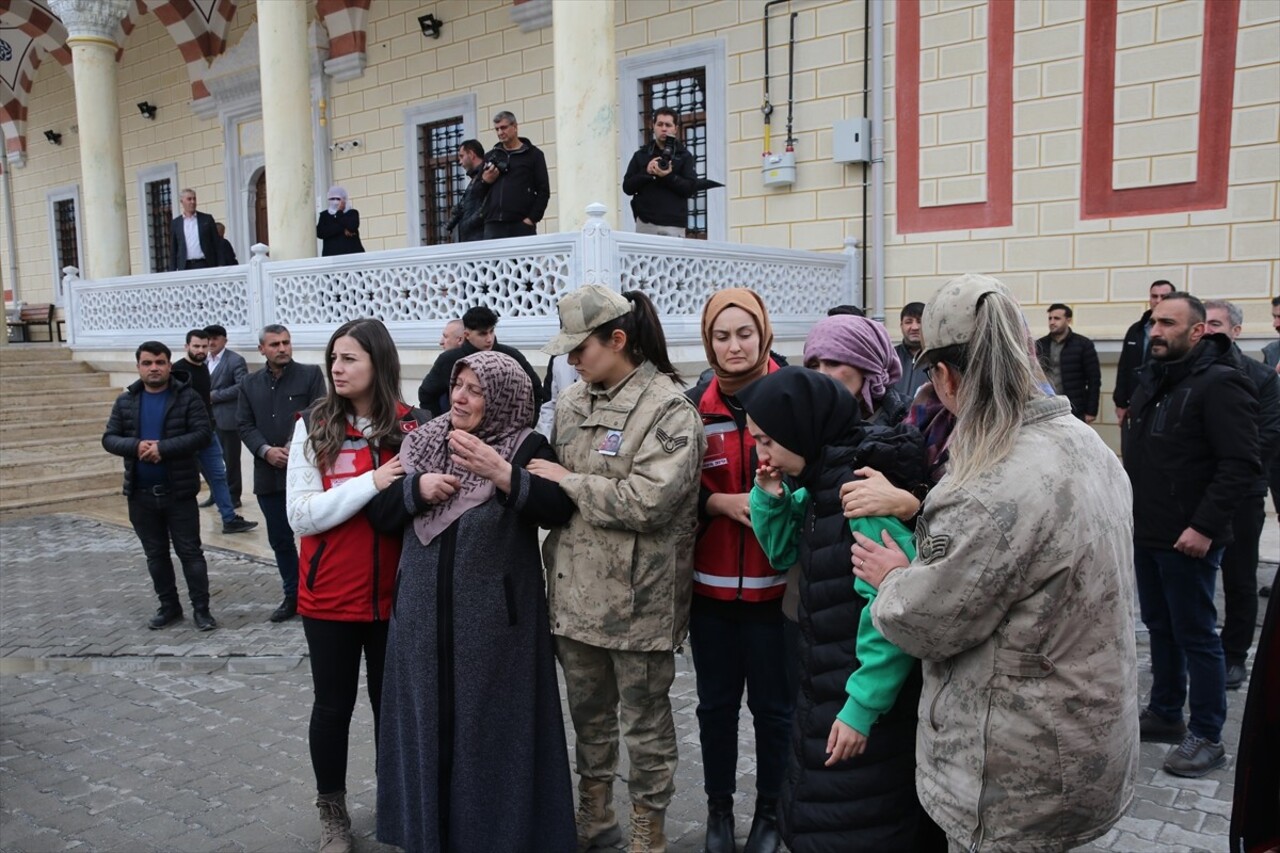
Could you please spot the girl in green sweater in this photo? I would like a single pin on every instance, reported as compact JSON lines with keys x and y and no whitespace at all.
{"x":852,"y":776}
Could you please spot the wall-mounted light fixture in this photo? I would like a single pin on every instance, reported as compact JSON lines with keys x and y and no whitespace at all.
{"x":430,"y":26}
{"x":148,"y":109}
{"x":55,"y":138}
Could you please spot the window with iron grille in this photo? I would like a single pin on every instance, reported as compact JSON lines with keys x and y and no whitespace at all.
{"x":440,"y":179}
{"x":685,"y":92}
{"x":159,"y":196}
{"x":64,"y":224}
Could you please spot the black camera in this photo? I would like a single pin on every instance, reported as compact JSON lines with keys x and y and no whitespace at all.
{"x":500,"y":159}
{"x":664,"y":158}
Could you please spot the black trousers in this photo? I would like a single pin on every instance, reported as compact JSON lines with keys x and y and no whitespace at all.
{"x":1240,"y":580}
{"x":498,"y":230}
{"x":159,"y":519}
{"x":730,"y":654}
{"x":230,"y":440}
{"x":335,"y":649}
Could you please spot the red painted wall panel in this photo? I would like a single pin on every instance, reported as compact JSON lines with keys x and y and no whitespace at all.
{"x":1098,"y":198}
{"x":997,"y":210}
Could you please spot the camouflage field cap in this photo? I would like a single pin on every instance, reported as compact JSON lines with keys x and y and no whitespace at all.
{"x":582,"y":311}
{"x":950,"y":316}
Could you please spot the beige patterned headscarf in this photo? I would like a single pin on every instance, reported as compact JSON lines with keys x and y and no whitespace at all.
{"x":506,"y":422}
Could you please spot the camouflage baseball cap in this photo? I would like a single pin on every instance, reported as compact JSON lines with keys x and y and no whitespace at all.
{"x":951,"y":314}
{"x":582,"y":311}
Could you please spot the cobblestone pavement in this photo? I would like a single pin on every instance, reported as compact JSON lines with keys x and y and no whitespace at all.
{"x":117,"y":738}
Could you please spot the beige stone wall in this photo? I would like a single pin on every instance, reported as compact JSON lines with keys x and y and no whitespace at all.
{"x":151,"y":69}
{"x":1101,"y":266}
{"x":481,"y":51}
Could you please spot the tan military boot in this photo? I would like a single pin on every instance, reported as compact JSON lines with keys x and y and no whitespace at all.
{"x":335,"y":824}
{"x":597,"y":824}
{"x":647,"y":830}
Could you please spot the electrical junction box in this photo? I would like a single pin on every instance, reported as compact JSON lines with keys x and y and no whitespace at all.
{"x":780,"y":169}
{"x":851,"y":141}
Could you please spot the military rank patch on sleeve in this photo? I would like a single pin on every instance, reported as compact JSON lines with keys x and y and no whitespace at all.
{"x":930,"y":547}
{"x":670,"y":443}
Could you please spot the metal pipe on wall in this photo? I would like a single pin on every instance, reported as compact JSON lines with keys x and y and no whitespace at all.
{"x":876,"y":84}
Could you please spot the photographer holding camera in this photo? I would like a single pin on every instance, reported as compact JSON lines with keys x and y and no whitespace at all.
{"x":661,"y":179}
{"x":519,"y":188}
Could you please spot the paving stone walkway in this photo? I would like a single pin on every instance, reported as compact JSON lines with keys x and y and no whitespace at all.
{"x":117,"y":738}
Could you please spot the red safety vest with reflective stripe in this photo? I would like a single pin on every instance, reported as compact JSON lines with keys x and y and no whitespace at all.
{"x":728,"y":564}
{"x":348,"y":573}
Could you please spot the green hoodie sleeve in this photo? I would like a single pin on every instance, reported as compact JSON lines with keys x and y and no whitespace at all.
{"x":777,"y":522}
{"x":873,"y":687}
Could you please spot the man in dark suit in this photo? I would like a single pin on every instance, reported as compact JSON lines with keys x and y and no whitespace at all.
{"x":227,"y":369}
{"x":193,"y":237}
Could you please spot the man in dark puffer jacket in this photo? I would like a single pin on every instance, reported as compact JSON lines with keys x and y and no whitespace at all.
{"x":159,"y":425}
{"x":1071,"y":363}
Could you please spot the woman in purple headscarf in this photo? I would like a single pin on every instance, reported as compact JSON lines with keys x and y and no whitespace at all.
{"x":857,"y":353}
{"x":339,"y":226}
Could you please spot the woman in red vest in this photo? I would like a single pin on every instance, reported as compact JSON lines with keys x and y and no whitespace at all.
{"x":736,"y":621}
{"x":344,"y":452}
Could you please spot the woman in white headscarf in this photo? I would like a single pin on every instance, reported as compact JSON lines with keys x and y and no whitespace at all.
{"x":339,"y":225}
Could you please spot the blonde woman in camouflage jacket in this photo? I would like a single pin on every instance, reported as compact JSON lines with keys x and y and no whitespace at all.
{"x":620,"y":575}
{"x":1020,"y":601}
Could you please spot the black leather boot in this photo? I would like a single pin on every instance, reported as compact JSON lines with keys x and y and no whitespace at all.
{"x":720,"y":826}
{"x":764,"y":828}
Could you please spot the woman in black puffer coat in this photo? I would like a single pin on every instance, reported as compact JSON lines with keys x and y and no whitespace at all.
{"x":867,"y":801}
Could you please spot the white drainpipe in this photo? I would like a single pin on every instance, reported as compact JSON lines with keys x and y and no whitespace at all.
{"x":876,"y":84}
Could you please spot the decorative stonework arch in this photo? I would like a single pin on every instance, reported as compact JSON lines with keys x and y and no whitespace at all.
{"x":346,"y":22}
{"x":28,"y":33}
{"x":199,"y":28}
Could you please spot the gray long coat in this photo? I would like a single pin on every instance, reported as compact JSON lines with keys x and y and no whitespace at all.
{"x":471,"y":752}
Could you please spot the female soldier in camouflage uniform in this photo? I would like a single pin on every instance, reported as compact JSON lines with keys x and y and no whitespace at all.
{"x":620,"y":575}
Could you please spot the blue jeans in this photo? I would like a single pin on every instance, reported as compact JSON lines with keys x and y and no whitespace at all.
{"x":1175,"y":593}
{"x":280,"y":536}
{"x":215,"y":472}
{"x":729,"y":654}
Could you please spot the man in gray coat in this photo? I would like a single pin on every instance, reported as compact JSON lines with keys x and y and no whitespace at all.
{"x":227,"y":370}
{"x":1240,"y":559}
{"x":266,"y":410}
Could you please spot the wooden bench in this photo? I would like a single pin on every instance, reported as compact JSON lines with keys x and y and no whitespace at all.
{"x":32,"y":315}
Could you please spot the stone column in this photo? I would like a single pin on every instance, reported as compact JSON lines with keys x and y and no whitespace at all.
{"x":586,"y":110}
{"x":92,"y":26}
{"x":286,"y":128}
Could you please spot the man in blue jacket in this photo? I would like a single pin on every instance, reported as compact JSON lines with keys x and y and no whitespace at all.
{"x":159,"y":425}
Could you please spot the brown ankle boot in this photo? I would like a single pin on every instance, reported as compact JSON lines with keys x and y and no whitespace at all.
{"x":597,"y":824}
{"x":335,"y":823}
{"x":647,"y":830}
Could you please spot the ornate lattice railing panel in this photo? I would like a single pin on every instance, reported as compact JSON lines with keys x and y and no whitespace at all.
{"x":680,"y":279}
{"x":415,"y":291}
{"x":520,"y":286}
{"x":160,"y":306}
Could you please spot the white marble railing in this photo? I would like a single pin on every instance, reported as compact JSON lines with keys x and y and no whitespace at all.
{"x":416,"y":291}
